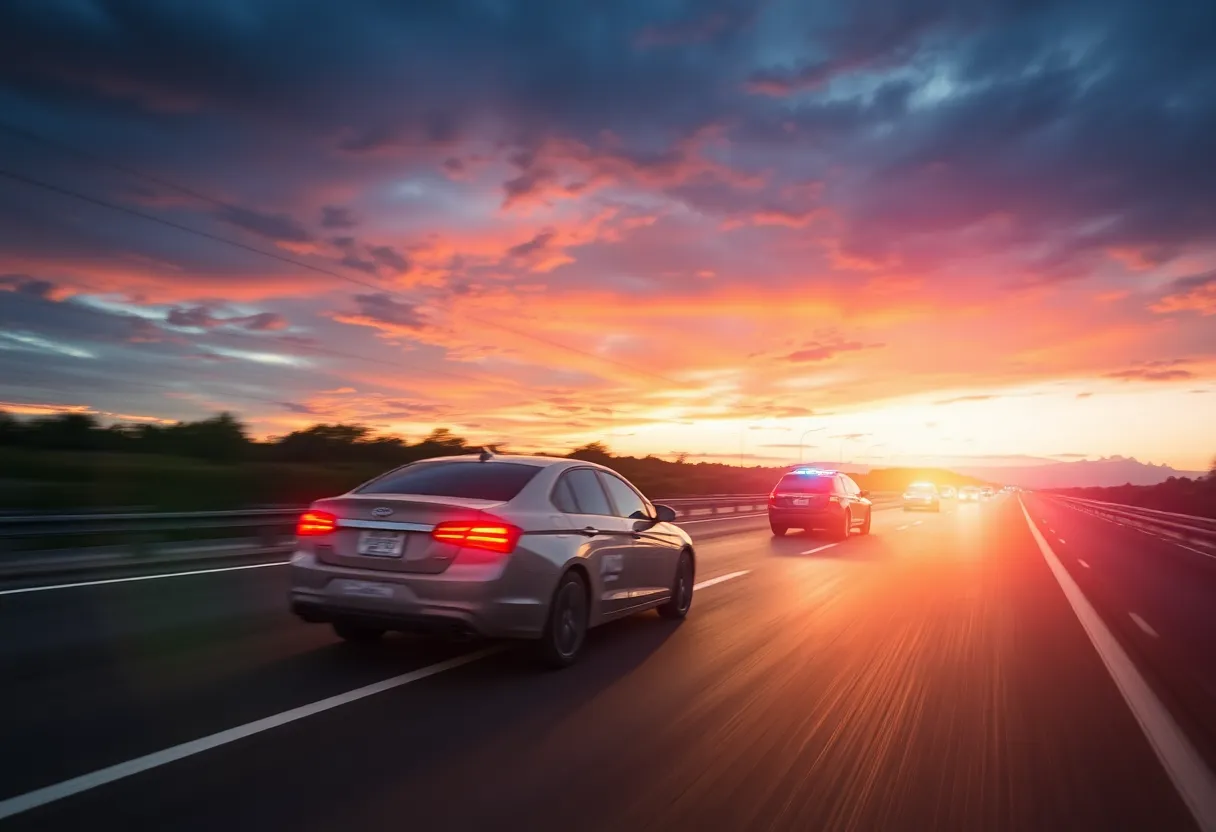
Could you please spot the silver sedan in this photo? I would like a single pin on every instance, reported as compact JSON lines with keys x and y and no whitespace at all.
{"x":495,"y":546}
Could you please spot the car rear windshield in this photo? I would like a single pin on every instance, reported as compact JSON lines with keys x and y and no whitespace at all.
{"x":498,"y":481}
{"x":799,"y":484}
{"x":921,"y":489}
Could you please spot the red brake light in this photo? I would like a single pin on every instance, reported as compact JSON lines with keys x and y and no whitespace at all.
{"x":316,"y":522}
{"x":492,"y":536}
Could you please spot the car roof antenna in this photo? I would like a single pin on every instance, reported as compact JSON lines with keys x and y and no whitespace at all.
{"x":486,"y":455}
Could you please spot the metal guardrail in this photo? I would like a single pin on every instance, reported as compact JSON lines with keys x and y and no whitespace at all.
{"x":54,"y":543}
{"x":1197,"y":533}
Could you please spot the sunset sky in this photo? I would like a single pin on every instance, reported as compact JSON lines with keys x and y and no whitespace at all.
{"x":870,"y":230}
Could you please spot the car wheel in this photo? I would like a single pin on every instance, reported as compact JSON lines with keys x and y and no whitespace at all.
{"x":357,"y":633}
{"x":865,"y":527}
{"x":681,"y":590}
{"x":566,"y":628}
{"x":778,"y":531}
{"x":846,"y":527}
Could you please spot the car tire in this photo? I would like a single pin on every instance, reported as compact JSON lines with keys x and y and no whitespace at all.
{"x":565,"y":631}
{"x":778,"y":531}
{"x":681,"y":590}
{"x":865,"y":527}
{"x":846,"y":527}
{"x":357,"y":633}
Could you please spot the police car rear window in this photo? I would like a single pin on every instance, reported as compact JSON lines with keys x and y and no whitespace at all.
{"x":804,"y":484}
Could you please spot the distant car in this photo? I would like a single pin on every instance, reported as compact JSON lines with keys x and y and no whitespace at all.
{"x":986,"y":493}
{"x":948,"y":492}
{"x":922,"y":496}
{"x":812,"y":498}
{"x":523,"y":547}
{"x":968,"y":494}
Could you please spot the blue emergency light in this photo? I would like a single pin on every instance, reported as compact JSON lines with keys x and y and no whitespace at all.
{"x":814,"y":472}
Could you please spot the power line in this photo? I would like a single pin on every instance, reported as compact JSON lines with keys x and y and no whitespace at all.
{"x":113,"y":206}
{"x":103,"y":162}
{"x":544,"y":340}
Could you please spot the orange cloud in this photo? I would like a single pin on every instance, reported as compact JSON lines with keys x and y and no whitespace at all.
{"x":1190,"y":294}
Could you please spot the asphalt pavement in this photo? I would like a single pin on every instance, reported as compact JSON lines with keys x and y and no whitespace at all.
{"x":978,"y":669}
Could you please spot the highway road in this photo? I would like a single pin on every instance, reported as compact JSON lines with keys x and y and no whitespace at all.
{"x":1015,"y":665}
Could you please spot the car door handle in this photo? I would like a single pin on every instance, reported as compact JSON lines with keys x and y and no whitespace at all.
{"x":589,"y":532}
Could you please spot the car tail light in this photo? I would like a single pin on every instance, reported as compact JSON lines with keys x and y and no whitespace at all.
{"x":490,"y":536}
{"x":772,"y":497}
{"x":316,"y":522}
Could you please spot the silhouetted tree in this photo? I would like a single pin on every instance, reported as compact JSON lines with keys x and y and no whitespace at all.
{"x":10,"y":429}
{"x":64,"y":432}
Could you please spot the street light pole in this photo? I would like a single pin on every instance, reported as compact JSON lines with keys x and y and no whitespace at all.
{"x":802,"y":440}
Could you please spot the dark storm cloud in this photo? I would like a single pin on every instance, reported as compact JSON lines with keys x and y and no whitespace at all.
{"x":26,"y":285}
{"x":538,"y":243}
{"x":390,"y":258}
{"x":1086,"y":122}
{"x":383,"y":308}
{"x":277,"y":227}
{"x":337,"y":217}
{"x":202,"y":317}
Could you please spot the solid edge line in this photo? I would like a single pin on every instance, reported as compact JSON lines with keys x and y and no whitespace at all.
{"x":721,"y":578}
{"x":1182,"y":763}
{"x":132,"y":578}
{"x":817,"y":549}
{"x":67,"y":788}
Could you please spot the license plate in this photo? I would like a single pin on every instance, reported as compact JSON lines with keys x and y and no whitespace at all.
{"x":367,"y":589}
{"x":801,"y":501}
{"x":376,"y":543}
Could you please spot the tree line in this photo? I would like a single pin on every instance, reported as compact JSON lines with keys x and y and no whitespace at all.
{"x":72,"y":460}
{"x":1178,"y":494}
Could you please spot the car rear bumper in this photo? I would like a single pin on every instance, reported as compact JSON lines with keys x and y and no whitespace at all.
{"x":920,"y":505}
{"x":461,"y":601}
{"x":801,"y":518}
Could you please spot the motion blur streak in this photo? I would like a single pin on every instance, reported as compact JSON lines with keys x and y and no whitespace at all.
{"x":1176,"y":753}
{"x":934,"y":678}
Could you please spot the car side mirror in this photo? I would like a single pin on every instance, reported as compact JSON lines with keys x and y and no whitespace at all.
{"x":664,"y":514}
{"x":865,"y":493}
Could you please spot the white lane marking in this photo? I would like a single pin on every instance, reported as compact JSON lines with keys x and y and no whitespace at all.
{"x":67,"y":788}
{"x":49,"y":794}
{"x":1143,"y":625}
{"x":917,"y":522}
{"x":817,"y":549}
{"x":1062,"y":540}
{"x":1182,"y":763}
{"x":901,"y":528}
{"x":1083,"y":563}
{"x":142,"y":577}
{"x":727,"y":577}
{"x":160,"y":575}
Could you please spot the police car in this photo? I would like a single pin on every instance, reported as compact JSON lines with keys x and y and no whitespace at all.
{"x":814,"y":498}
